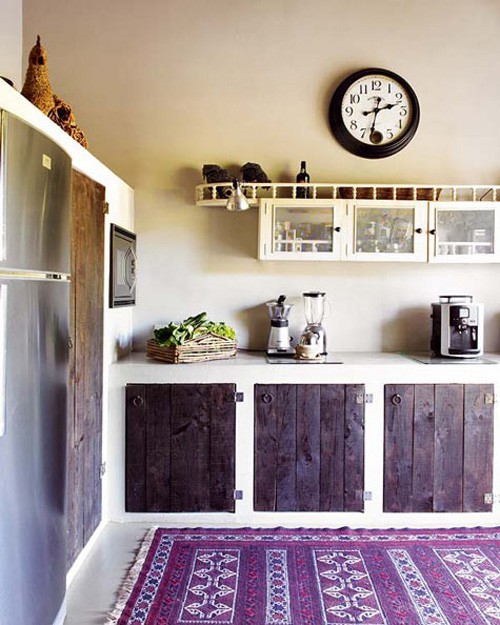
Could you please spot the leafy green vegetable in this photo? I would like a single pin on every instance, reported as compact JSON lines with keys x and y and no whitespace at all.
{"x":179,"y":333}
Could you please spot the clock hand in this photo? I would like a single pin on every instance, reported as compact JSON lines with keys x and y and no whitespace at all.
{"x":375,"y":136}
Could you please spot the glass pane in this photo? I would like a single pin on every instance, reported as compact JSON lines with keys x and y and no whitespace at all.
{"x":465,"y":232}
{"x":303,"y":229}
{"x":384,"y":230}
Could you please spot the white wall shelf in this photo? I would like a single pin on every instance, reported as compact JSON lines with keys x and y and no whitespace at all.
{"x":215,"y":194}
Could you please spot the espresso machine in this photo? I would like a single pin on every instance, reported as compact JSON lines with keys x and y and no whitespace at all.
{"x":279,"y":336}
{"x":314,"y":310}
{"x":457,"y":327}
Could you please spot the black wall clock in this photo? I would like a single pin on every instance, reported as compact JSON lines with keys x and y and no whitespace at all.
{"x":374,"y":113}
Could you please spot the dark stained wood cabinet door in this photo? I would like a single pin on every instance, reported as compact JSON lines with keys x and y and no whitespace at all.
{"x":309,"y":441}
{"x":438,"y":448}
{"x":86,"y":361}
{"x":180,"y":447}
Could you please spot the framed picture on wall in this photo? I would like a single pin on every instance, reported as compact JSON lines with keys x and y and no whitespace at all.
{"x":123,"y":267}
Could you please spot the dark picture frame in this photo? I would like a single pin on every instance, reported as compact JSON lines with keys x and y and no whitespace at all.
{"x":123,"y":267}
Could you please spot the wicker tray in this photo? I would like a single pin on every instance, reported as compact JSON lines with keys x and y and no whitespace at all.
{"x":206,"y":347}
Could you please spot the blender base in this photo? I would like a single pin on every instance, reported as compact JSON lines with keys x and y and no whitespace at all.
{"x":274,"y":352}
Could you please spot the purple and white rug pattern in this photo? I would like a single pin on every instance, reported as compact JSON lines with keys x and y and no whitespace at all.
{"x":314,"y":577}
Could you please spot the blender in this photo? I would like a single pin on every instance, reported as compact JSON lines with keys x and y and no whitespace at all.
{"x":314,"y":309}
{"x":279,"y":337}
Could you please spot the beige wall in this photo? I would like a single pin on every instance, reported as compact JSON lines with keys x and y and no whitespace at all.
{"x":11,"y":39}
{"x":163,"y":87}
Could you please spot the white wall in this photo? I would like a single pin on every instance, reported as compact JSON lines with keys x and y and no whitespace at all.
{"x":162,"y":88}
{"x":11,"y":40}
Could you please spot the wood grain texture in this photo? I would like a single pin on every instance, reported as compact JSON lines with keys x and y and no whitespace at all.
{"x":222,"y":447}
{"x":478,"y":448}
{"x":308,"y":446}
{"x":354,"y":465}
{"x":157,"y":457}
{"x":448,"y":445}
{"x":332,"y":447}
{"x":422,"y":499}
{"x":86,"y":358}
{"x":398,"y":447}
{"x":135,"y":448}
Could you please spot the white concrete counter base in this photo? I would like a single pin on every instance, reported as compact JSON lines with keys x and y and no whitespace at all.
{"x":374,"y":370}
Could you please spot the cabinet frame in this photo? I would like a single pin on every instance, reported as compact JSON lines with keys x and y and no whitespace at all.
{"x":458,"y":206}
{"x":419,"y":253}
{"x":267,"y":218}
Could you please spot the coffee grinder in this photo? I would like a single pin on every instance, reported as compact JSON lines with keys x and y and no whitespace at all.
{"x":279,"y":336}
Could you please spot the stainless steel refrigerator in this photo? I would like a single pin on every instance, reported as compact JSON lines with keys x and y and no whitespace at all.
{"x":35,"y":178}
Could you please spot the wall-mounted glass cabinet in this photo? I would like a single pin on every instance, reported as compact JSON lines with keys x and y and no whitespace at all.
{"x":300,"y":230}
{"x":379,"y":230}
{"x":463,"y":232}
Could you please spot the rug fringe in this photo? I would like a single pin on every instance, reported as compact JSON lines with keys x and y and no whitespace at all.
{"x":131,"y":578}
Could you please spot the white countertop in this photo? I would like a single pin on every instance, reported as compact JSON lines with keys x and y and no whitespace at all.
{"x":354,"y":367}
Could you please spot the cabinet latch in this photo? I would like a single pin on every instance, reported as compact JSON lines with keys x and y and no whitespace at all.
{"x":102,"y":470}
{"x":235,"y":398}
{"x":237,"y":495}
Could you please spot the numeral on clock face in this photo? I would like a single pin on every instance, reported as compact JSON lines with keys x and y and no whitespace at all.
{"x":376,"y":110}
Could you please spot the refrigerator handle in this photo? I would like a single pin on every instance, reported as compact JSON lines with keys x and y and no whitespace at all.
{"x":3,"y":347}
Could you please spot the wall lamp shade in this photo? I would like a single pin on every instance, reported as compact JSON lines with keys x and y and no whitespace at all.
{"x":237,"y":201}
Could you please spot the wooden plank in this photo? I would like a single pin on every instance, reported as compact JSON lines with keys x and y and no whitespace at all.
{"x":222,"y":447}
{"x":308,"y":446}
{"x":157,"y":445}
{"x":332,"y":447}
{"x":135,"y":448}
{"x":266,"y":407}
{"x":190,"y":445}
{"x":398,"y":447}
{"x":478,"y":448}
{"x":448,"y":462}
{"x":354,"y":448}
{"x":286,"y":448}
{"x":423,"y":449}
{"x":87,"y":270}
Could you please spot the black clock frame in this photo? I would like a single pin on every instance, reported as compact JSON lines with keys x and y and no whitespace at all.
{"x":350,"y":143}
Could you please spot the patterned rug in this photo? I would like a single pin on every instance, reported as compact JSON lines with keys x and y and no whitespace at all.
{"x":314,"y":577}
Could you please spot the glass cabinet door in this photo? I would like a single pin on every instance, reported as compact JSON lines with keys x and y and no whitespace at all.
{"x":463,"y":232}
{"x":388,"y":231}
{"x":300,"y":230}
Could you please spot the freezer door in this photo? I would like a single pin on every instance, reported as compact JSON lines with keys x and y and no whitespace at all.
{"x":32,"y":450}
{"x":35,"y":194}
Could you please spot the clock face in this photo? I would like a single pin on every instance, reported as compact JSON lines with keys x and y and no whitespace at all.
{"x":374,"y":113}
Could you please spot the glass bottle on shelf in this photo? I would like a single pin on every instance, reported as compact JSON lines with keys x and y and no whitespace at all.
{"x":302,"y":176}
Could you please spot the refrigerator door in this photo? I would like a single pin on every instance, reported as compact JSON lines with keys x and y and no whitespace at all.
{"x":34,"y":333}
{"x":35,"y":194}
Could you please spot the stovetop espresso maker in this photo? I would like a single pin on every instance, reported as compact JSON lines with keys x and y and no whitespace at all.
{"x":457,"y":327}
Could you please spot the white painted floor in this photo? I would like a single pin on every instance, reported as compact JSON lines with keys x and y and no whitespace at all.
{"x":93,"y":593}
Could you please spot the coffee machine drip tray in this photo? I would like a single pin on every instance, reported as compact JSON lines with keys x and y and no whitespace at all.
{"x":427,"y":358}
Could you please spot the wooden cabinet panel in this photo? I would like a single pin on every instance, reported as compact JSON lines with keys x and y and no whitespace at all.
{"x":180,"y":447}
{"x":438,"y":450}
{"x":309,"y":447}
{"x":86,"y":361}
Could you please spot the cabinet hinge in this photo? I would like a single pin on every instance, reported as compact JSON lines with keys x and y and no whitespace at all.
{"x":102,"y":470}
{"x":491,"y":498}
{"x":237,"y":495}
{"x":364,"y":398}
{"x":105,"y":207}
{"x":367,"y":495}
{"x":491,"y":398}
{"x":239,"y":397}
